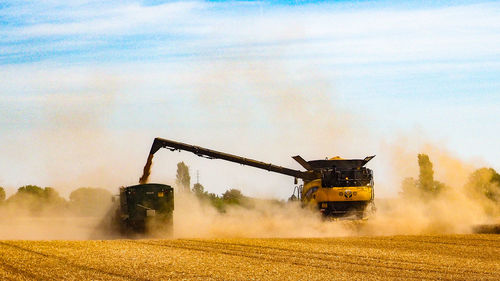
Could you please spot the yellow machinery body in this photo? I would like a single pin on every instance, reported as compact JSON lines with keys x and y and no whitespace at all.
{"x":336,"y":193}
{"x":343,"y":187}
{"x":337,"y":200}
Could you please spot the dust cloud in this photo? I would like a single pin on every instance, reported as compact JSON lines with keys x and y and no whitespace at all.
{"x":72,"y":145}
{"x":302,"y":115}
{"x":458,"y":208}
{"x":291,"y":106}
{"x":451,"y":213}
{"x":296,"y":104}
{"x":48,"y":228}
{"x":76,"y":144}
{"x":19,"y":223}
{"x":197,"y":218}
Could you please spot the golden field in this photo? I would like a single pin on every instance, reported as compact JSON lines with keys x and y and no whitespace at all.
{"x":447,"y":257}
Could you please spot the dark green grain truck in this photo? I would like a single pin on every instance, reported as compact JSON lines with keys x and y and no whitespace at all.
{"x":145,"y":209}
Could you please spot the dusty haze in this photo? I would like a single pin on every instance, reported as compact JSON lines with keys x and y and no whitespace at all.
{"x":453,"y":211}
{"x":256,"y":108}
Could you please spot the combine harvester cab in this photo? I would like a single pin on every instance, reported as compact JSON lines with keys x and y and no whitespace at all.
{"x":145,"y":209}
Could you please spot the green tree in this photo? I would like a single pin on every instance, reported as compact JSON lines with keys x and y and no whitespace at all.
{"x":32,"y":190}
{"x":485,"y":181}
{"x":36,"y":199}
{"x":183,"y":180}
{"x":232,"y":196}
{"x":426,"y":176}
{"x":2,"y":194}
{"x":409,"y":187}
{"x":198,"y":189}
{"x":51,"y":196}
{"x":89,"y":201}
{"x":217,"y":202}
{"x":425,"y":186}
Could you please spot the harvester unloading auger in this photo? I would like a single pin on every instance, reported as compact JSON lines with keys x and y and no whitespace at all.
{"x":337,"y":187}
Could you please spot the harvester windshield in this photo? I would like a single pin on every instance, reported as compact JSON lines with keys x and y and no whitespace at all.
{"x":341,"y":178}
{"x":338,"y":172}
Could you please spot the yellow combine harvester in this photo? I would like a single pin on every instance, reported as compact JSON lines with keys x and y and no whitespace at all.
{"x":342,"y":187}
{"x":339,"y":188}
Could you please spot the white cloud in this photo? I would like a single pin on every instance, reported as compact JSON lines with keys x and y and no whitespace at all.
{"x":107,"y":20}
{"x":369,"y":34}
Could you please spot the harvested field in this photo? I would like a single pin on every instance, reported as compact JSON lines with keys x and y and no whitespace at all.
{"x":457,"y":257}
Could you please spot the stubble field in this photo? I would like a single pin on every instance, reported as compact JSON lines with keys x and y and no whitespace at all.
{"x":447,"y":257}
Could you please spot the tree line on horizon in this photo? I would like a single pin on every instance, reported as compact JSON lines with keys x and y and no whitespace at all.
{"x":35,"y":200}
{"x":483,"y":185}
{"x":90,"y":201}
{"x":231,"y":196}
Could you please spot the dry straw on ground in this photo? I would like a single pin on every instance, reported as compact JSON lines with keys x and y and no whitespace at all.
{"x":451,"y":257}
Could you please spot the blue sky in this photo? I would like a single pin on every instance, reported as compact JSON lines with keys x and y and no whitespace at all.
{"x":263,"y":79}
